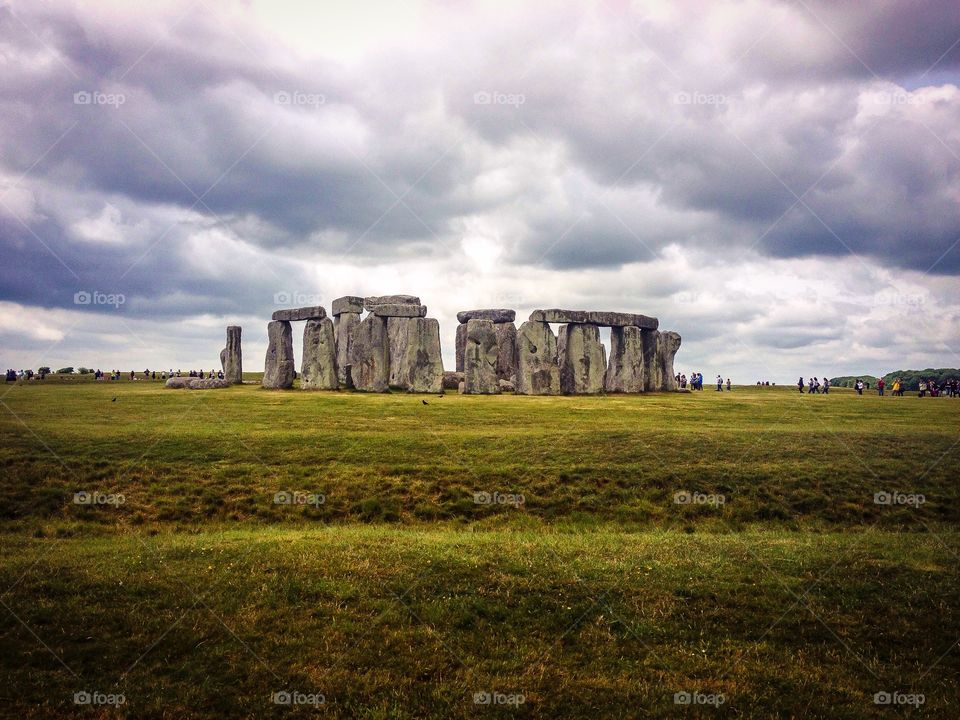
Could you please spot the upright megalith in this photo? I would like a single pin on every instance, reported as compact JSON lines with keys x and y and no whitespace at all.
{"x":318,"y":370}
{"x":279,"y":369}
{"x":415,"y":360}
{"x":626,"y":372}
{"x":537,"y":369}
{"x":583,"y":362}
{"x":344,"y":326}
{"x":667,"y":345}
{"x":506,"y":351}
{"x":232,"y":358}
{"x":368,"y":360}
{"x":652,"y":377}
{"x":480,"y":359}
{"x":461,"y":344}
{"x":506,"y":332}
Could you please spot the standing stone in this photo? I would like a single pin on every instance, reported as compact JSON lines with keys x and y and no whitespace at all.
{"x":279,"y":369}
{"x":344,"y":326}
{"x":626,"y":372}
{"x":232,"y":357}
{"x":416,"y":364}
{"x":318,"y":370}
{"x":480,"y":359}
{"x":369,"y":355}
{"x":667,"y":345}
{"x":506,"y":351}
{"x":223,"y":359}
{"x":652,"y":375}
{"x":461,"y":344}
{"x":537,"y":370}
{"x":583,"y":363}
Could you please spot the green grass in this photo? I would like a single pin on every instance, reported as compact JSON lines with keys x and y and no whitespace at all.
{"x":400,"y":597}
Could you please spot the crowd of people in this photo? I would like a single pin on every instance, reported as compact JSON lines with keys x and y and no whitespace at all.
{"x":696,"y":382}
{"x":815,"y":386}
{"x":115,"y":375}
{"x":948,"y":388}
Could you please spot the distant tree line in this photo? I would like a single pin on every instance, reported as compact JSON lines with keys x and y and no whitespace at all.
{"x":850,"y":380}
{"x":910,"y":378}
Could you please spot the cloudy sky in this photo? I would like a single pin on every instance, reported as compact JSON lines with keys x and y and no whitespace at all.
{"x":778,"y":181}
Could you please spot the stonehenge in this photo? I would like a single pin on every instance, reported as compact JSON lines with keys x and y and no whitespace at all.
{"x":381,"y":343}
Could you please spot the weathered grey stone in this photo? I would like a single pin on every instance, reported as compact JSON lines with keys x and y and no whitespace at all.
{"x":370,"y":302}
{"x":626,"y":372}
{"x":583,"y":363}
{"x":279,"y":368}
{"x":537,"y":370}
{"x":667,"y":345}
{"x":369,"y":356}
{"x":233,"y":357}
{"x":652,"y":375}
{"x":223,"y":359}
{"x":305,"y":313}
{"x":344,"y":325}
{"x":595,"y":317}
{"x":506,"y":386}
{"x":452,"y":379}
{"x":497,"y":315}
{"x":400,"y":311}
{"x":208,"y":384}
{"x":415,"y":361}
{"x":461,"y":344}
{"x":347,"y":304}
{"x":318,"y":369}
{"x":506,"y":350}
{"x":462,"y":387}
{"x":195,"y":383}
{"x":480,"y":359}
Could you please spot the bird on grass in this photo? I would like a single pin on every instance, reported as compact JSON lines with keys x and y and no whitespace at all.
{"x":114,"y":400}
{"x":424,"y":402}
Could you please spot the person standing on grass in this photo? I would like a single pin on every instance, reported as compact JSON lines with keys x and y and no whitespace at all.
{"x":881,"y":384}
{"x":922,"y":388}
{"x":859,"y":386}
{"x":800,"y":385}
{"x":728,"y":384}
{"x":826,"y":386}
{"x":719,"y":384}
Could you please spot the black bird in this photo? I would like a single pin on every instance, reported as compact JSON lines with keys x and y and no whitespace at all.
{"x":114,"y":400}
{"x":424,"y":402}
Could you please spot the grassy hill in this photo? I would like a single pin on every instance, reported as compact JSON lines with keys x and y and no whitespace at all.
{"x":623,"y":550}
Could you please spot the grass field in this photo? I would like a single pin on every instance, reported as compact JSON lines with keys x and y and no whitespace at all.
{"x":635,"y":547}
